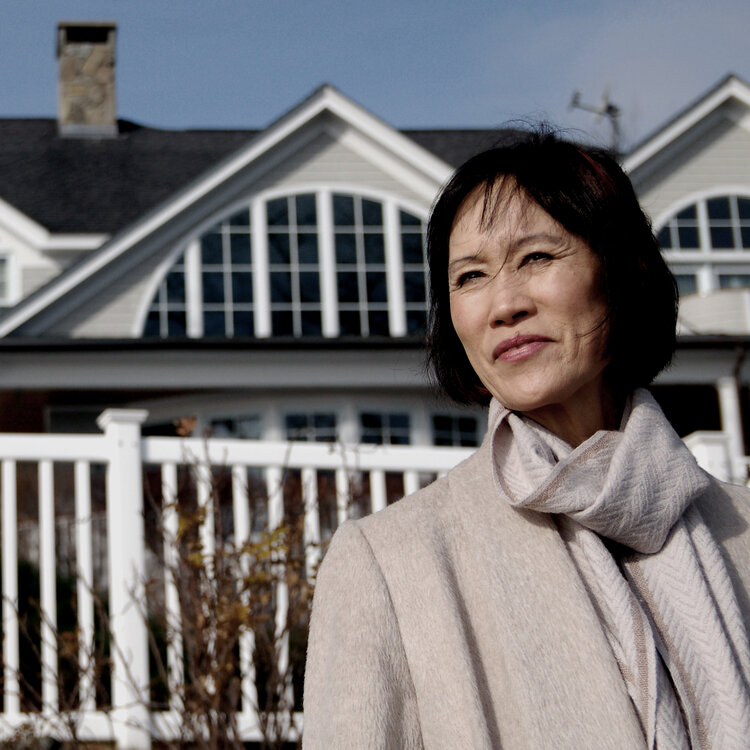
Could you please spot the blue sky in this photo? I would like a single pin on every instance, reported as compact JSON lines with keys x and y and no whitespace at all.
{"x":415,"y":63}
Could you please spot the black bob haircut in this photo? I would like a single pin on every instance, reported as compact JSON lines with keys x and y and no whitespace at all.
{"x":584,"y":189}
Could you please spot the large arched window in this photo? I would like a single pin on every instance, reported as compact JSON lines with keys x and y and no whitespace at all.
{"x":321,"y":263}
{"x":707,"y":244}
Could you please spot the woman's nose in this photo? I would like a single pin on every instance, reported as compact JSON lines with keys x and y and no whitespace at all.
{"x":511,"y":303}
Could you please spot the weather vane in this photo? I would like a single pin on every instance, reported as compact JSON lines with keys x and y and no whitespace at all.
{"x":605,"y":108}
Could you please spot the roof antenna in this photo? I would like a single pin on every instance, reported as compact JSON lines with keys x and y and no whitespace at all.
{"x":605,"y":108}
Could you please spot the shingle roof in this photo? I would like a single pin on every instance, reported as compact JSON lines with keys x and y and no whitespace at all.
{"x":102,"y":185}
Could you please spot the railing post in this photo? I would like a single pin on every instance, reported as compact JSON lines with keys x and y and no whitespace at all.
{"x":127,"y":572}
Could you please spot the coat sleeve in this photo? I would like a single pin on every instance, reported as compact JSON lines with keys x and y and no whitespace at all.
{"x":358,"y":690}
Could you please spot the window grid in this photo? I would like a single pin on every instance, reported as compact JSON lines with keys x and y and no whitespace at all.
{"x":213,"y":295}
{"x":293,"y":264}
{"x":709,"y":228}
{"x":415,"y":272}
{"x":167,"y":314}
{"x":227,"y":278}
{"x":359,"y":242}
{"x":319,"y":427}
{"x":454,"y":430}
{"x":377,"y":428}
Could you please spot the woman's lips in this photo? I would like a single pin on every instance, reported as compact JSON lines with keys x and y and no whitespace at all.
{"x":519,"y":347}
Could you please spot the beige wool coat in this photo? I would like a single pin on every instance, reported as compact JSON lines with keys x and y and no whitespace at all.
{"x":451,"y":621}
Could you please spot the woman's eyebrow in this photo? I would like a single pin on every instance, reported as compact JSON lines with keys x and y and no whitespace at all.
{"x":530,"y":239}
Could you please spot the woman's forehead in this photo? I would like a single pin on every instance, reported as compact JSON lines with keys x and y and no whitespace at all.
{"x":498,"y":208}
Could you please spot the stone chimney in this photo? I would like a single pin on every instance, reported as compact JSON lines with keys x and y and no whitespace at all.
{"x":86,"y":89}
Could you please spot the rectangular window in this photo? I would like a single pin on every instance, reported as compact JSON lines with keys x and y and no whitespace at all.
{"x":317,"y":427}
{"x":385,"y":429}
{"x":454,"y":430}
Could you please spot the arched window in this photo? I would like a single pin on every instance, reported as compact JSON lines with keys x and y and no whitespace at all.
{"x":707,"y":244}
{"x":312,"y":264}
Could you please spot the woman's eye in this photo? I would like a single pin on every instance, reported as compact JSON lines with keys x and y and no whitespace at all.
{"x":467,"y":276}
{"x":535,"y":257}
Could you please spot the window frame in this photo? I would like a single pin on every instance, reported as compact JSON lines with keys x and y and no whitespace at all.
{"x":395,"y":305}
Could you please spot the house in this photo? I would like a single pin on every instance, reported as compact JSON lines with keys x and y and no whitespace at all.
{"x":271,"y":283}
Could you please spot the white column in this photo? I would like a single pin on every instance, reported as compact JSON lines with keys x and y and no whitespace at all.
{"x":731,"y":425}
{"x":327,"y":264}
{"x":127,"y":573}
{"x":261,"y":281}
{"x":394,"y":270}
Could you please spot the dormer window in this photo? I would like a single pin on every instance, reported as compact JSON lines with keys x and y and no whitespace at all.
{"x":306,"y":264}
{"x":707,"y":244}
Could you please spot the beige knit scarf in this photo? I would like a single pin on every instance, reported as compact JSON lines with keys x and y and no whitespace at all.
{"x":664,"y":597}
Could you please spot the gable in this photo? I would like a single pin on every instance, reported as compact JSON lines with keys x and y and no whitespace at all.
{"x":100,"y":294}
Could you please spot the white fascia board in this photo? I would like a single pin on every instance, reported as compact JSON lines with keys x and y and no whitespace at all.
{"x":402,"y":146}
{"x":733,"y":88}
{"x":74,"y":242}
{"x":40,"y":238}
{"x":326,"y":98}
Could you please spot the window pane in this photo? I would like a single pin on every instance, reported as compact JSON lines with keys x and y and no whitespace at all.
{"x":277,"y":213}
{"x":664,"y":239}
{"x":240,"y":248}
{"x":281,"y":286}
{"x":347,"y":287}
{"x":309,"y":287}
{"x":743,"y":206}
{"x":282,"y":323}
{"x":374,"y":250}
{"x":213,"y":323}
{"x":307,"y":247}
{"x":688,"y":213}
{"x":213,"y":287}
{"x":734,"y":281}
{"x":414,"y":287}
{"x":305,"y":205}
{"x":240,"y":219}
{"x":372,"y":213}
{"x":343,"y":210}
{"x":349,"y":323}
{"x":176,"y":286}
{"x":311,"y":323}
{"x":718,"y":208}
{"x":409,"y":219}
{"x":346,"y":249}
{"x":211,"y":254}
{"x":243,"y":323}
{"x":412,"y":248}
{"x":745,"y":233}
{"x":721,"y":238}
{"x":242,"y":287}
{"x":177,"y":323}
{"x":278,"y":248}
{"x":688,"y":238}
{"x":376,"y":289}
{"x":686,"y":283}
{"x":416,"y":322}
{"x":377,"y":321}
{"x":152,"y":329}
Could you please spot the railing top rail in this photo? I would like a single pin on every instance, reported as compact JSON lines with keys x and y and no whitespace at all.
{"x":28,"y":447}
{"x":262,"y":453}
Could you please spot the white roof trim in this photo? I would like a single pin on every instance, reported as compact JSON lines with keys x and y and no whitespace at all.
{"x":34,"y":234}
{"x":325,"y":98}
{"x":732,"y":88}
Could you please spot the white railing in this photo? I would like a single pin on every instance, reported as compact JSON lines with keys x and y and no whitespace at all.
{"x":47,"y":479}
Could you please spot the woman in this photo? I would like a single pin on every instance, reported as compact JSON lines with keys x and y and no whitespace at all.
{"x":578,"y":582}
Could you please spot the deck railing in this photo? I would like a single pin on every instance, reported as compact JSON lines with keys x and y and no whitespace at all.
{"x":58,"y":488}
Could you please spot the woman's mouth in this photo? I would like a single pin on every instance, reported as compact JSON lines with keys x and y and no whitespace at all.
{"x":519,"y":347}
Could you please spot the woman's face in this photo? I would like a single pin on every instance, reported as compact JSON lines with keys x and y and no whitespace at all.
{"x":527,"y":305}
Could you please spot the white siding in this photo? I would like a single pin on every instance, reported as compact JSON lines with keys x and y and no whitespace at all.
{"x":322,"y":160}
{"x":720,"y":156}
